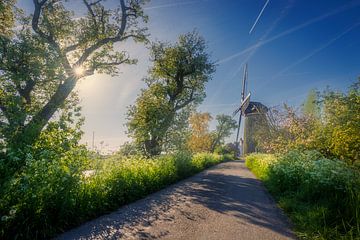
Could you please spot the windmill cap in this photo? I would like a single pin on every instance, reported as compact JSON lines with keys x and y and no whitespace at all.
{"x":255,"y":108}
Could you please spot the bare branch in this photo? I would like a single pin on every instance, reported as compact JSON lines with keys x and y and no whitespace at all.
{"x":96,"y":2}
{"x":35,"y":20}
{"x":92,"y":69}
{"x":117,"y":38}
{"x":88,"y":6}
{"x":48,"y":38}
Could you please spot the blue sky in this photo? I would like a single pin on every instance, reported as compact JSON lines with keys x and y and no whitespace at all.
{"x":297,"y":45}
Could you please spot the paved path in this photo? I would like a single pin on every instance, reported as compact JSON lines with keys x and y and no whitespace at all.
{"x":224,"y":202}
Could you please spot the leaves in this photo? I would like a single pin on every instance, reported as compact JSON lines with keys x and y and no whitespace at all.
{"x":200,"y":139}
{"x":7,"y":17}
{"x":176,"y":82}
{"x":38,"y":62}
{"x":330,"y":123}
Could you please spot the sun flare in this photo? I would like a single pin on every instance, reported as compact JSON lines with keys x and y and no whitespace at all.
{"x":79,"y":71}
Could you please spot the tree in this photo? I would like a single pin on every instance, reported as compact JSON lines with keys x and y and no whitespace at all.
{"x":7,"y":17}
{"x":179,"y":132}
{"x":229,"y":148}
{"x":335,"y":132}
{"x":200,"y":139}
{"x":311,"y":105}
{"x":149,"y":119}
{"x":127,"y":149}
{"x":338,"y":135}
{"x":176,"y":80}
{"x":223,"y":129}
{"x":41,"y":65}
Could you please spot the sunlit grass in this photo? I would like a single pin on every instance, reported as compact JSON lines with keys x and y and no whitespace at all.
{"x":52,"y":196}
{"x":321,"y":196}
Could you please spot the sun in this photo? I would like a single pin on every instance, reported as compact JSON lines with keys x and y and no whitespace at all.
{"x":79,"y":71}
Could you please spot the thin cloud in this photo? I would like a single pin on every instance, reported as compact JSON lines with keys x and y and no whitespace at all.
{"x":291,"y":30}
{"x":258,"y":17}
{"x":170,"y":5}
{"x":314,"y":52}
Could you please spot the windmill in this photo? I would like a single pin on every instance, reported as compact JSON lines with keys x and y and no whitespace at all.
{"x":246,"y":107}
{"x":244,"y":103}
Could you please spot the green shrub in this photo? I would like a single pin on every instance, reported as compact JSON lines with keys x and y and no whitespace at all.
{"x":322,"y":196}
{"x":42,"y":196}
{"x":52,"y":195}
{"x":331,"y":126}
{"x":229,"y":149}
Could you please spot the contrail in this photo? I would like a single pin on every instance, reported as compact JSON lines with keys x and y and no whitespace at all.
{"x":171,"y":5}
{"x":283,"y":13}
{"x":327,"y":44}
{"x":291,"y":30}
{"x":257,"y":19}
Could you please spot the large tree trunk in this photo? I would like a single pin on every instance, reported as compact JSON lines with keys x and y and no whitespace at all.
{"x":152,"y":147}
{"x":31,"y":131}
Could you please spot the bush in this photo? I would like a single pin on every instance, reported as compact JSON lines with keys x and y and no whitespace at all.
{"x":230,"y":149}
{"x":322,"y":196}
{"x":52,"y":195}
{"x":332,"y":127}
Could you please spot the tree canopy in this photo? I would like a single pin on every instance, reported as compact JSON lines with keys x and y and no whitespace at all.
{"x":203,"y":140}
{"x":43,"y":61}
{"x":176,"y":80}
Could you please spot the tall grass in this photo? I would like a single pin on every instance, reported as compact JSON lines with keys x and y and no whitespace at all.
{"x":49,"y":197}
{"x":321,"y":196}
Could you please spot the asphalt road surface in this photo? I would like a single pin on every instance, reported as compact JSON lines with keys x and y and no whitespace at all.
{"x":224,"y":202}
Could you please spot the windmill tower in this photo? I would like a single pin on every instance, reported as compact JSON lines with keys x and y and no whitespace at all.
{"x":254,"y":114}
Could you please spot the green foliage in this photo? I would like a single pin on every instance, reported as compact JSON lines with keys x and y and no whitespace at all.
{"x":150,"y":118}
{"x":52,"y":195}
{"x":201,"y":139}
{"x":128,"y":149}
{"x":321,"y":196}
{"x":178,"y":134}
{"x":311,"y":106}
{"x":224,"y":127}
{"x":7,"y":18}
{"x":40,"y":65}
{"x":176,"y":82}
{"x":204,"y":160}
{"x":41,"y":197}
{"x":335,"y":132}
{"x":339,"y":136}
{"x":230,"y":149}
{"x":259,"y":164}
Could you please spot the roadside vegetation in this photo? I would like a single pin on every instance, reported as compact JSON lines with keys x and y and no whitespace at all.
{"x":310,"y":163}
{"x":49,"y":182}
{"x":50,"y":196}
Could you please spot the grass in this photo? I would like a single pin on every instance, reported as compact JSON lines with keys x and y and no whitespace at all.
{"x":49,"y":197}
{"x":321,"y":196}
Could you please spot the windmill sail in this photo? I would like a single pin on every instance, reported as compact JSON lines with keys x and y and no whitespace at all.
{"x":242,"y":103}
